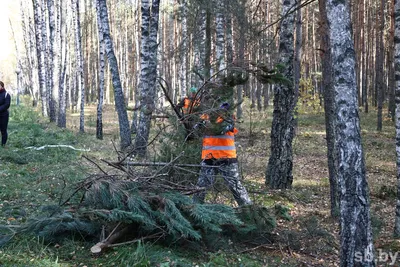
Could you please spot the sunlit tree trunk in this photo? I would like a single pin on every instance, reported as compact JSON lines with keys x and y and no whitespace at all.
{"x":100,"y":97}
{"x":40,"y":54}
{"x":28,"y":38}
{"x":184,"y":48}
{"x":79,"y":63}
{"x":328,"y":106}
{"x":124,"y":130}
{"x":53,"y":59}
{"x":62,"y":101}
{"x":380,"y":50}
{"x":280,"y":165}
{"x":397,"y":100}
{"x":148,"y":59}
{"x":356,"y":247}
{"x":220,"y":37}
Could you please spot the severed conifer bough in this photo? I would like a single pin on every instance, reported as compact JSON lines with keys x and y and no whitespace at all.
{"x":124,"y":204}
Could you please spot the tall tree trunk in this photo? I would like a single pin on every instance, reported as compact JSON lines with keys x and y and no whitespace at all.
{"x":99,"y":121}
{"x":391,"y":71}
{"x":40,"y":54}
{"x":380,"y":50}
{"x":397,"y":95}
{"x":184,"y":48}
{"x":148,"y":57}
{"x":124,"y":131}
{"x":328,"y":106}
{"x":53,"y":58}
{"x":220,"y":37}
{"x":356,"y":247}
{"x":62,"y":101}
{"x":79,"y":63}
{"x":280,"y":165}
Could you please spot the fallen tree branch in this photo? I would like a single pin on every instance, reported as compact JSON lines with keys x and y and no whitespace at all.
{"x":129,"y":163}
{"x":51,"y":146}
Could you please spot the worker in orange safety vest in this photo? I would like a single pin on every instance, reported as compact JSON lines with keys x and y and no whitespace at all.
{"x":219,"y":155}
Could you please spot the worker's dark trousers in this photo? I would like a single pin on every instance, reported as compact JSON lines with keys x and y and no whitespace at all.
{"x":230,"y":173}
{"x":3,"y":128}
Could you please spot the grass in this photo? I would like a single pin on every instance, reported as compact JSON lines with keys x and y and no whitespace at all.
{"x":30,"y":178}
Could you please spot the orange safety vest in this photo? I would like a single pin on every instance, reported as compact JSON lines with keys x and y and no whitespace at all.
{"x":219,"y":146}
{"x":187,"y":102}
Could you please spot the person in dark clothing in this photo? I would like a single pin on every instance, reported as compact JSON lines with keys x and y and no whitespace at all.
{"x":5,"y":100}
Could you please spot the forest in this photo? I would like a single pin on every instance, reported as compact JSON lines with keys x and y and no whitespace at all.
{"x":201,"y":133}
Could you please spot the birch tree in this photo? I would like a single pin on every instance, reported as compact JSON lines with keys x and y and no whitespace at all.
{"x":79,"y":62}
{"x":397,"y":120}
{"x":328,"y":105}
{"x":124,"y":131}
{"x":62,"y":105}
{"x":40,"y":52}
{"x":279,"y":170}
{"x":99,"y":121}
{"x":148,"y":75}
{"x":356,"y":247}
{"x":53,"y":59}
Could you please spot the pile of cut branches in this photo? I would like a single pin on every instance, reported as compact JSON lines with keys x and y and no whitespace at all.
{"x":135,"y":201}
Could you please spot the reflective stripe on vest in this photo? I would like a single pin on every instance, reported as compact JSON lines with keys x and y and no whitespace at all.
{"x":219,"y":147}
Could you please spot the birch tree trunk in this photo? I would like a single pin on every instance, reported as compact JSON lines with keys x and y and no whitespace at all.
{"x":79,"y":63}
{"x":62,"y":101}
{"x":124,"y":130}
{"x":279,"y":170}
{"x":220,"y":37}
{"x":356,"y":247}
{"x":397,"y":101}
{"x":148,"y":75}
{"x":37,"y":9}
{"x":328,"y":106}
{"x":184,"y":49}
{"x":99,"y":121}
{"x":53,"y":58}
{"x":27,"y":34}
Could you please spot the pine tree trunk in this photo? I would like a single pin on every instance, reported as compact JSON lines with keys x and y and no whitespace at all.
{"x":380,"y":50}
{"x":356,"y":247}
{"x":124,"y":130}
{"x":279,"y":170}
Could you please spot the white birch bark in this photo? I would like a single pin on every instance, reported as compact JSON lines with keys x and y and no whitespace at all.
{"x":184,"y":49}
{"x":62,"y":79}
{"x":279,"y":173}
{"x":99,"y":121}
{"x":220,"y":37}
{"x":79,"y":63}
{"x":124,"y":130}
{"x":397,"y":116}
{"x":40,"y":53}
{"x":53,"y":59}
{"x":356,"y":246}
{"x":148,"y":75}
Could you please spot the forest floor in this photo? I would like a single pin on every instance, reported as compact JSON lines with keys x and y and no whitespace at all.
{"x":29,"y":178}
